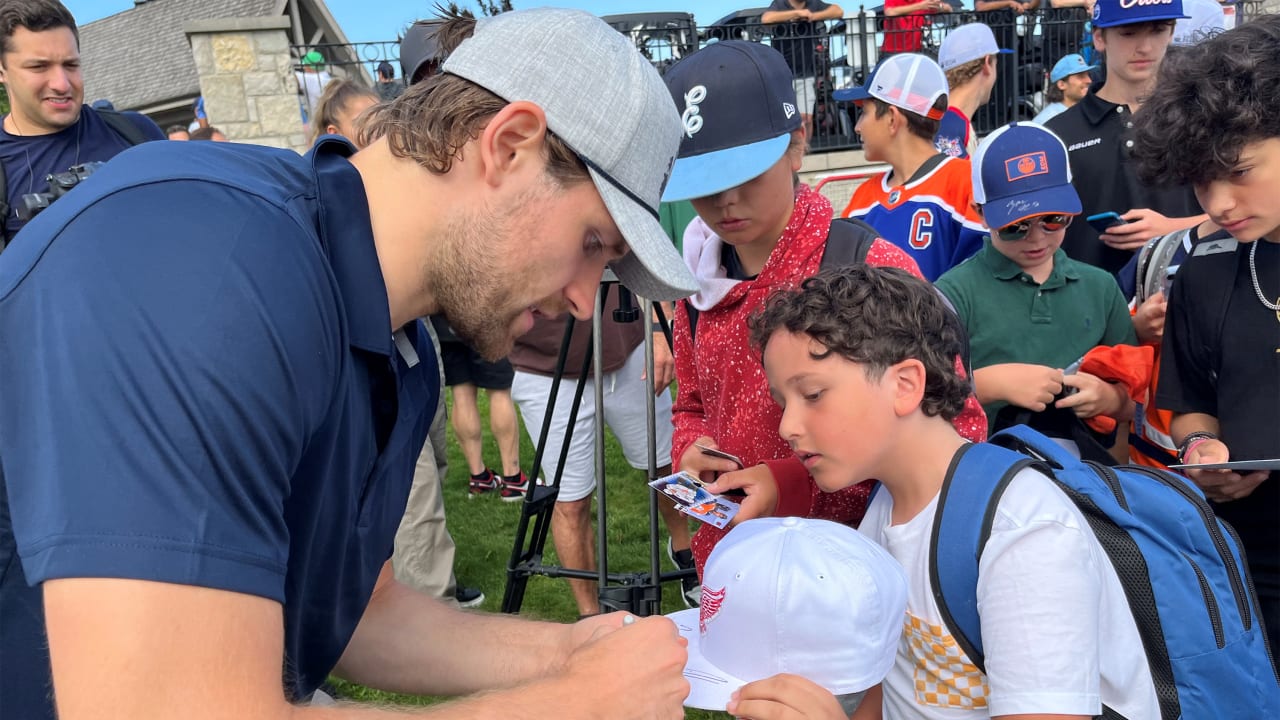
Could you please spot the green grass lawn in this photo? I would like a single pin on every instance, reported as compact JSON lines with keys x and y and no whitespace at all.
{"x":484,"y":530}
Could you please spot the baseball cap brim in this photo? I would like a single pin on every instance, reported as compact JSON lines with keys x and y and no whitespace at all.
{"x":1041,"y":201}
{"x":709,"y":173}
{"x":1074,"y":71}
{"x":709,"y":687}
{"x":853,"y":94}
{"x":653,"y":269}
{"x":1155,"y":16}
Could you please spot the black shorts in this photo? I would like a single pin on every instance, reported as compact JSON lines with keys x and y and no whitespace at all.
{"x":463,"y":365}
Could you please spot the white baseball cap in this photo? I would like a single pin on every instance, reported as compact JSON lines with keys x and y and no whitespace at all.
{"x":967,"y":43}
{"x":906,"y":80}
{"x":812,"y":598}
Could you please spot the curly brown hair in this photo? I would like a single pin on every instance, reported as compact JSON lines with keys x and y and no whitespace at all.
{"x":1210,"y":100}
{"x":433,"y":119}
{"x":876,"y":317}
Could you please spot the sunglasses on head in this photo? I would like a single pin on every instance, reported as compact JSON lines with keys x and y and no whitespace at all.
{"x":1014,"y":232}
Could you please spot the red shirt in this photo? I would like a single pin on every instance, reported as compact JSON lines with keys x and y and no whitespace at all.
{"x":722,"y":391}
{"x":904,"y":33}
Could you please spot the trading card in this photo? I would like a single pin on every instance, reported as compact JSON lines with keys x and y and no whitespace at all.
{"x":694,"y":500}
{"x":717,"y":513}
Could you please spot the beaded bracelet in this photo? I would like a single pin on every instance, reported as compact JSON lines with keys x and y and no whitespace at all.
{"x":1190,"y":442}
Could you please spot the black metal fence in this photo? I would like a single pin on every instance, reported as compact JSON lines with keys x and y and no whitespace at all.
{"x":828,"y":56}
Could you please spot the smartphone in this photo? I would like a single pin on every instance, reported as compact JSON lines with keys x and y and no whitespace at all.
{"x":1104,"y":221}
{"x":712,"y":452}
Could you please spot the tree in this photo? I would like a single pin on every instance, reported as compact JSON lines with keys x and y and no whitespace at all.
{"x":487,"y":7}
{"x":4,"y":100}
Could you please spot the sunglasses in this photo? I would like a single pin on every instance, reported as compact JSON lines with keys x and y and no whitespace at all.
{"x":1019,"y":230}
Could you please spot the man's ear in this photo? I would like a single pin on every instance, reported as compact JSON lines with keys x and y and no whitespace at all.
{"x":1100,"y":39}
{"x":512,"y":141}
{"x":908,"y":380}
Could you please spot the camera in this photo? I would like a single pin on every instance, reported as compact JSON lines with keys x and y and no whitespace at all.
{"x":59,"y":184}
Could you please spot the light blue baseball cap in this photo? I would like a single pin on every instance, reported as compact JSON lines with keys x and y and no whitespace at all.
{"x":1069,"y":65}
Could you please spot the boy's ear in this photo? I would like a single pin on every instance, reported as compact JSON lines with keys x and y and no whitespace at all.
{"x":908,"y":378}
{"x":512,"y":141}
{"x":978,"y":209}
{"x":1100,"y":39}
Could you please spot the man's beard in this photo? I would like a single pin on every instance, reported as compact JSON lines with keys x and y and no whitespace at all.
{"x":463,"y":278}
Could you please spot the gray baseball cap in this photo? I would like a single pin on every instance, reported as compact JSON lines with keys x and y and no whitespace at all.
{"x":607,"y":103}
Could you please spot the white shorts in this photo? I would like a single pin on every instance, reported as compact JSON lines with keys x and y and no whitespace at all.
{"x":806,"y":93}
{"x":624,"y":413}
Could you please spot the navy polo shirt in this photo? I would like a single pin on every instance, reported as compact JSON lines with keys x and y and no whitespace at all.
{"x":200,"y":385}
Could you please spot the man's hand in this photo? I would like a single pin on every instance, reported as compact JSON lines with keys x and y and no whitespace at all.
{"x":1148,"y":321}
{"x":664,"y":364}
{"x":1093,"y":396}
{"x":632,"y":671}
{"x":761,"y":489}
{"x":1221,"y":485}
{"x":1028,"y":386}
{"x":1142,"y":225}
{"x":785,"y":697}
{"x":704,"y":467}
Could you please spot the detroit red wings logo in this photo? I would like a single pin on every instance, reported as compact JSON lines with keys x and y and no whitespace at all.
{"x":710,"y":606}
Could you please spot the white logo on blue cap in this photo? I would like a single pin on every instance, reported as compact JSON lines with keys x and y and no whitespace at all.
{"x":690,"y":117}
{"x":789,"y":109}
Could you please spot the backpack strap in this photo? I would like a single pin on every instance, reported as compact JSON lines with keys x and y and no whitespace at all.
{"x":123,"y":126}
{"x":848,"y":241}
{"x":978,"y":477}
{"x":120,"y":123}
{"x":853,"y":238}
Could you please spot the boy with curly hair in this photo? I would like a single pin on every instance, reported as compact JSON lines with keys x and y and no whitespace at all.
{"x":1213,"y":123}
{"x":859,"y":360}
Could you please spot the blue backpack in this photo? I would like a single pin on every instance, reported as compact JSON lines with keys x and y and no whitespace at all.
{"x":1182,"y":570}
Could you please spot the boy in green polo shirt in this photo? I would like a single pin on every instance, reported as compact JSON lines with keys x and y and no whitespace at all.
{"x":1031,"y":311}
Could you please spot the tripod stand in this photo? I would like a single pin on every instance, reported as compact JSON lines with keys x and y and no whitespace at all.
{"x":636,"y":592}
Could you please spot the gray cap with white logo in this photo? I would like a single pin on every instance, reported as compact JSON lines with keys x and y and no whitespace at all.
{"x":607,"y":103}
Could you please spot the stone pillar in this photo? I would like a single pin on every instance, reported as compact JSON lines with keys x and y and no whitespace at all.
{"x":246,"y":77}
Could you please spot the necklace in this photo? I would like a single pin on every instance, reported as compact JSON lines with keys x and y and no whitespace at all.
{"x":1253,"y":273}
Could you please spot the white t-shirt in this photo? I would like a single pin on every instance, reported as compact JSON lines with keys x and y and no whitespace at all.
{"x":311,"y":84}
{"x":1056,"y":630}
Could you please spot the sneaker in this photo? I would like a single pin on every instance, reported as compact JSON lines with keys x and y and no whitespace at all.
{"x":514,"y":491}
{"x":485,"y":482}
{"x":691,"y":589}
{"x":468,"y":597}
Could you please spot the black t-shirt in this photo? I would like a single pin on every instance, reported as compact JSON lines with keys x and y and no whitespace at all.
{"x":796,"y":39}
{"x":1096,"y":134}
{"x":1221,"y":357}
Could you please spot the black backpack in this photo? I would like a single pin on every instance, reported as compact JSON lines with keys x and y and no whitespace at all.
{"x":123,"y":126}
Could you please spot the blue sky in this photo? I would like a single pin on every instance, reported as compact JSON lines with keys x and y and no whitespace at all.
{"x":372,"y":20}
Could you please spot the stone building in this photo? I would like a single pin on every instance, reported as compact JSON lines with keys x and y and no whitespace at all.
{"x":160,"y":55}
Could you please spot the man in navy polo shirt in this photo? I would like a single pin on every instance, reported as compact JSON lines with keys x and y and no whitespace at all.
{"x":214,"y":388}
